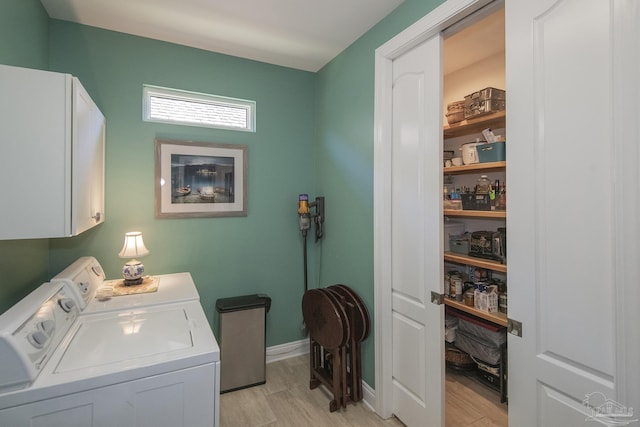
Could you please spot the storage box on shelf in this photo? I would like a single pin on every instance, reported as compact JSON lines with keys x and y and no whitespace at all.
{"x":491,"y":152}
{"x":459,"y":243}
{"x":486,"y":301}
{"x":484,"y":101}
{"x":476,"y":202}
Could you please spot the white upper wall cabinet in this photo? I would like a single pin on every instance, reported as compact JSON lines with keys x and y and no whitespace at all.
{"x":52,"y":142}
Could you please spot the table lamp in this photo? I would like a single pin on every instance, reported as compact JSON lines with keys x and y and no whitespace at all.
{"x":133,"y":248}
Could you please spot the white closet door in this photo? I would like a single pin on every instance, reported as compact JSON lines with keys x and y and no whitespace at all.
{"x":416,"y":222}
{"x":572,"y":239}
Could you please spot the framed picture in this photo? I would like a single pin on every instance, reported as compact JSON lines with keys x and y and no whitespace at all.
{"x":198,"y":180}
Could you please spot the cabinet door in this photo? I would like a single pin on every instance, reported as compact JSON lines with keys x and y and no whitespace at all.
{"x":182,"y":398}
{"x":35,"y":153}
{"x":572,"y":87}
{"x":88,"y":161}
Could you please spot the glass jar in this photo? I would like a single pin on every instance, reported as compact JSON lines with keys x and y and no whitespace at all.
{"x":469,"y":298}
{"x":483,"y":185}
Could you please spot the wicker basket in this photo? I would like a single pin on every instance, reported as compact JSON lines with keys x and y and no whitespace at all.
{"x":455,"y":112}
{"x":458,"y":359}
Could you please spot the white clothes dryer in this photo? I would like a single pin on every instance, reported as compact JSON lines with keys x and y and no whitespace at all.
{"x":85,"y":277}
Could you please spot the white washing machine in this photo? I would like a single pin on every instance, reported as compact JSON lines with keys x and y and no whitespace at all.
{"x":154,"y":364}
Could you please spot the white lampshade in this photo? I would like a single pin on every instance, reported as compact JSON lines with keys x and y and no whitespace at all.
{"x":133,"y":246}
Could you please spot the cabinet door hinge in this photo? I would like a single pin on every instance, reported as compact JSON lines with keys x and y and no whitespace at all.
{"x":436,"y":298}
{"x":514,"y":327}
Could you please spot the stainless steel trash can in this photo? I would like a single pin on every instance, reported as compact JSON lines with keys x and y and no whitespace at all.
{"x":242,"y":329}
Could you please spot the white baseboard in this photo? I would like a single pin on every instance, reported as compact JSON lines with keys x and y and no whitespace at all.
{"x":287,"y":350}
{"x":298,"y":348}
{"x":368,"y":396}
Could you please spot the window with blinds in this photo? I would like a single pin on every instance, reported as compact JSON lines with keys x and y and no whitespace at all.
{"x":181,"y":107}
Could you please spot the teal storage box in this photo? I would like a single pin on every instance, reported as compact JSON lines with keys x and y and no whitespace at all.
{"x":491,"y":152}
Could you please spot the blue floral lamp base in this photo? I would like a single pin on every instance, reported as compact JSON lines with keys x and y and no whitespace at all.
{"x":133,"y":272}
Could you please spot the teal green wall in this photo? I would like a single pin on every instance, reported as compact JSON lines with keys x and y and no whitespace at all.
{"x":259,"y":253}
{"x":344,"y":158}
{"x":315,"y":135}
{"x":24,"y":34}
{"x":24,"y":41}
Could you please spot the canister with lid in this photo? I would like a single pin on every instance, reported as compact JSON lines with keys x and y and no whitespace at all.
{"x":483,"y":185}
{"x":455,"y":288}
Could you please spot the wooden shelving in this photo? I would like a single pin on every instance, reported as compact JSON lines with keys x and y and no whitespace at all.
{"x":497,"y":318}
{"x":476,"y":262}
{"x":476,"y":167}
{"x":467,"y":127}
{"x":477,"y":124}
{"x":475,"y":214}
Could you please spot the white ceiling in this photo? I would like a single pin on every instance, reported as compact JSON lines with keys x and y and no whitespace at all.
{"x":301,"y":34}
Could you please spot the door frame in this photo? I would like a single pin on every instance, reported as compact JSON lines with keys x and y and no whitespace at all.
{"x":442,"y":17}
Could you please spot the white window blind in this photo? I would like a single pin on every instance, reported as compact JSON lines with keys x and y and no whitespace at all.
{"x":197,"y":109}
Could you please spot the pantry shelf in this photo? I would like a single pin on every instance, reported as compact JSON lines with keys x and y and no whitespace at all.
{"x":477,"y":124}
{"x":475,"y":214}
{"x":497,"y":318}
{"x":484,"y":167}
{"x":476,"y":262}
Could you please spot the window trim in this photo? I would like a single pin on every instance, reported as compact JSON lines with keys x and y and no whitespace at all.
{"x":148,"y":91}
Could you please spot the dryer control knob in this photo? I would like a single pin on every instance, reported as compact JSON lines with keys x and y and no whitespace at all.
{"x":67,"y":304}
{"x":37,"y":339}
{"x":47,"y":326}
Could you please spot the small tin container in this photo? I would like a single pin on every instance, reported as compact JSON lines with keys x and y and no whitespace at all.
{"x":455,"y":287}
{"x":502,"y":302}
{"x":468,"y":298}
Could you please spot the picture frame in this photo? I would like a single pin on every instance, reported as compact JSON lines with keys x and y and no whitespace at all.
{"x":200,"y":180}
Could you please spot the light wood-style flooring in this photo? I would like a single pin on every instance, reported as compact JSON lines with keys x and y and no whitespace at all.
{"x":471,"y":404}
{"x":286,"y":400}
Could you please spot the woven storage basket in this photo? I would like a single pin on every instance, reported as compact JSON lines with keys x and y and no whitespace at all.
{"x":458,"y":359}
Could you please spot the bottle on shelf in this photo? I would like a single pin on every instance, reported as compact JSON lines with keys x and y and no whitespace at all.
{"x":501,"y":199}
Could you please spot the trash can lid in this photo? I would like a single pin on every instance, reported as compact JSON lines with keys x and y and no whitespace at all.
{"x":244,"y":302}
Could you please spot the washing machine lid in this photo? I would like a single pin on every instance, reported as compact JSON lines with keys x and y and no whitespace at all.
{"x":165,"y":338}
{"x":127,"y":337}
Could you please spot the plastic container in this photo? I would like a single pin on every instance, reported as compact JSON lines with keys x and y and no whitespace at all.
{"x":476,"y":202}
{"x":491,"y":152}
{"x":452,"y":228}
{"x":469,"y":153}
{"x":459,"y":243}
